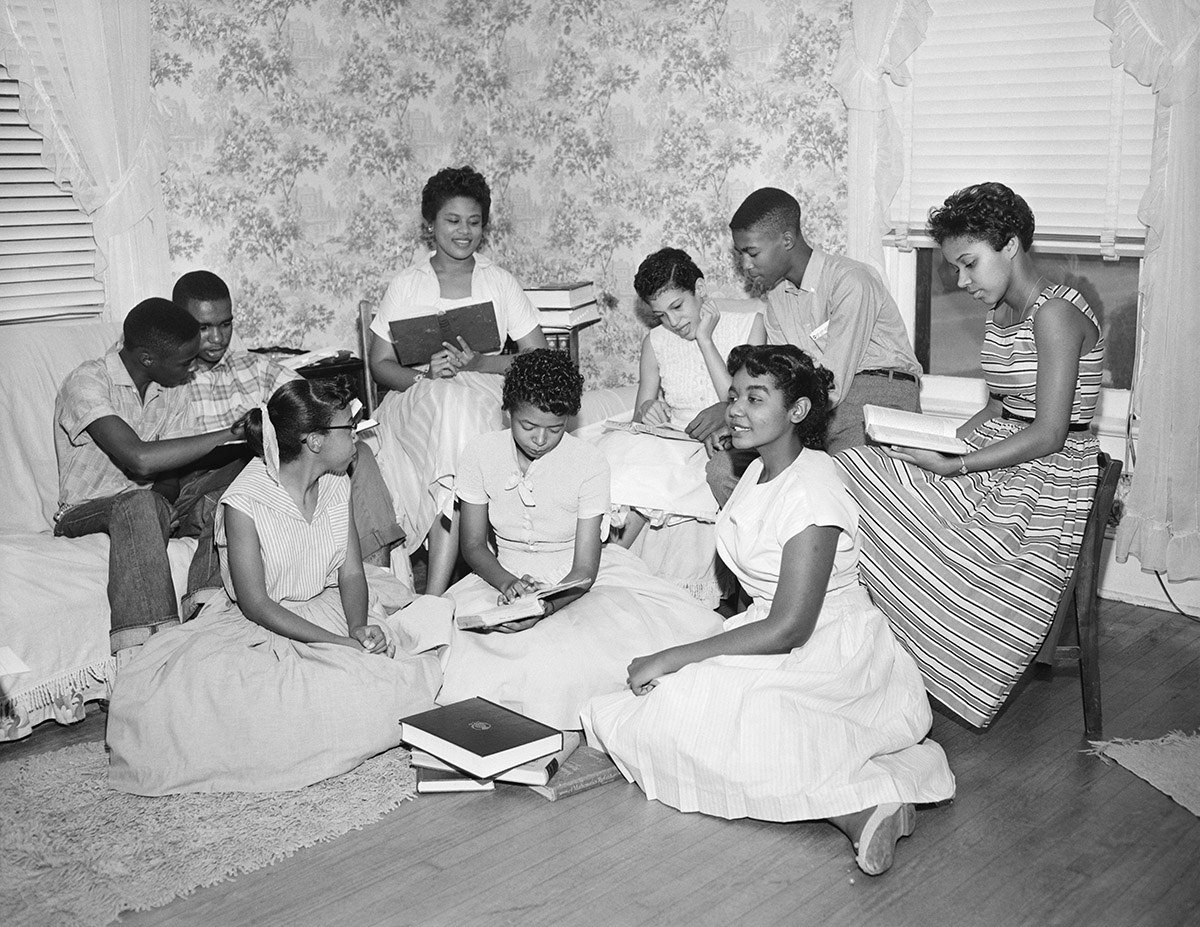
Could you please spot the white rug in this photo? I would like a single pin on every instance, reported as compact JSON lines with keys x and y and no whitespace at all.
{"x":75,"y":852}
{"x":1171,"y":764}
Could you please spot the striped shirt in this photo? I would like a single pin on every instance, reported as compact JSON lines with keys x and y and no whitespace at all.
{"x":235,"y":384}
{"x":300,"y":557}
{"x":97,"y":389}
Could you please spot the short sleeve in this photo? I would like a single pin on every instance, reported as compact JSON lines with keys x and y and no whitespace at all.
{"x":83,"y":398}
{"x":403,"y":300}
{"x":814,"y":498}
{"x":180,"y":421}
{"x":469,"y":484}
{"x":520,"y":316}
{"x":595,"y":487}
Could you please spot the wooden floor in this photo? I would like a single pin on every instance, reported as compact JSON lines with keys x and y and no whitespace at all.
{"x":1040,"y":834}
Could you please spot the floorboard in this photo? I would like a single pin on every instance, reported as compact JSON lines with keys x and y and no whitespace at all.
{"x":1040,"y":833}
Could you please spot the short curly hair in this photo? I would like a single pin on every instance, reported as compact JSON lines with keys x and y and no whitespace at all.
{"x":450,"y":182}
{"x":988,"y":212}
{"x":545,"y":379}
{"x":667,"y":267}
{"x":796,"y":376}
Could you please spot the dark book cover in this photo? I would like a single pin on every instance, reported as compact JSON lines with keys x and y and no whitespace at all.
{"x":584,"y":769}
{"x":479,"y":727}
{"x":416,"y":340}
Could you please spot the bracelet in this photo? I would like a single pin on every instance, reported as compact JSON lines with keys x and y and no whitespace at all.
{"x":962,"y":465}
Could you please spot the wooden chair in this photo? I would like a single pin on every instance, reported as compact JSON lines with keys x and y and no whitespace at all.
{"x":365,"y":312}
{"x":1078,"y":641}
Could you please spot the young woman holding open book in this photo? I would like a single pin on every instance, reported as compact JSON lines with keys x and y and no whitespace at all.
{"x":437,"y":403}
{"x":968,"y":553}
{"x":543,"y":494}
{"x":805,"y":707}
{"x":295,"y":673}
{"x":661,"y":481}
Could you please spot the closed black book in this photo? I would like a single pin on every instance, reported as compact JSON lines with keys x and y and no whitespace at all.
{"x":480,"y":737}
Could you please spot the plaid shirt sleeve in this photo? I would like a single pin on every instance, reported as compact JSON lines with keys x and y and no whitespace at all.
{"x":84,"y":398}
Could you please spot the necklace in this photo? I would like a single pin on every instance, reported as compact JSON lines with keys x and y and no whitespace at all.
{"x":1031,"y":295}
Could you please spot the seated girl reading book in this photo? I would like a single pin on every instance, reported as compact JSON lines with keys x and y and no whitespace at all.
{"x":805,"y":707}
{"x":661,"y":481}
{"x":433,"y":409}
{"x":544,"y":495}
{"x":296,"y":671}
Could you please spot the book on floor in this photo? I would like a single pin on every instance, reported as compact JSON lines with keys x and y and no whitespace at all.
{"x":535,"y":772}
{"x":527,"y":606}
{"x":417,"y":339}
{"x":563,"y":319}
{"x":480,"y":737}
{"x":584,"y":769}
{"x":450,"y":780}
{"x":641,"y":428}
{"x":912,"y":429}
{"x":562,"y":294}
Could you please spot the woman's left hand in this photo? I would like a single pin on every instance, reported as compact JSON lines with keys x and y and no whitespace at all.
{"x":644,"y":673}
{"x":941,"y":464}
{"x":373,"y":639}
{"x":461,"y":355}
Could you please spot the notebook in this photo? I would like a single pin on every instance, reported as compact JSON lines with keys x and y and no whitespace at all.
{"x":480,"y":737}
{"x":527,"y":606}
{"x":912,"y":429}
{"x":417,"y":339}
{"x":641,"y":428}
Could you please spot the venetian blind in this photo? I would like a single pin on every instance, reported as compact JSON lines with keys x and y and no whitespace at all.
{"x":47,"y":251}
{"x":1023,"y":92}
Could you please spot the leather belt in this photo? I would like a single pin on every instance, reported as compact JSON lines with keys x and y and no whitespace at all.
{"x":1074,"y":426}
{"x":890,"y":374}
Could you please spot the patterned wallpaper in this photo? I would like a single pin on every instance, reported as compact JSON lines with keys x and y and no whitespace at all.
{"x":301,"y":132}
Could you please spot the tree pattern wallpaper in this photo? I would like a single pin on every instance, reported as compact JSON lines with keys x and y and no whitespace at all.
{"x":300,"y":134}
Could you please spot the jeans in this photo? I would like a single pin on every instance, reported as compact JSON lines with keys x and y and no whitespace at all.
{"x":141,"y":596}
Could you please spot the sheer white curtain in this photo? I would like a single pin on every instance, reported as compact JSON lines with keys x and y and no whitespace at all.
{"x":84,"y":66}
{"x":884,"y":33}
{"x":1158,"y":42}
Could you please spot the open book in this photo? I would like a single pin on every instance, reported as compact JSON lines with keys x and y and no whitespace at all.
{"x":912,"y":429}
{"x":417,"y":339}
{"x":527,"y":606}
{"x":641,"y":428}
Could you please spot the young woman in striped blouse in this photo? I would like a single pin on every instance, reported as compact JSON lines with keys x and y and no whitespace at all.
{"x":293,"y":674}
{"x":968,"y":554}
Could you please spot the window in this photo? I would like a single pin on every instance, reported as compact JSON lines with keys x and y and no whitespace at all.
{"x":949,"y":323}
{"x":47,"y":251}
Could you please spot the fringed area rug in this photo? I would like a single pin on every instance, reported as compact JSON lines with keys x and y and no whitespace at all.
{"x":1171,"y":764}
{"x":76,"y":852}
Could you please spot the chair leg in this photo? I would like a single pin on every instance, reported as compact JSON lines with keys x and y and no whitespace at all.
{"x":1088,"y":624}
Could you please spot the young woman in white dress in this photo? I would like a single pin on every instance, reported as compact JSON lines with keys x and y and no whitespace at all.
{"x":543,"y":494}
{"x":297,"y":671}
{"x":433,"y":410}
{"x":805,"y":707}
{"x":658,"y":481}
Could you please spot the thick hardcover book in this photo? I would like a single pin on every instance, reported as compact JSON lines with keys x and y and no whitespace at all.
{"x":417,"y":339}
{"x":641,"y":428}
{"x":480,"y":737}
{"x":527,"y":606}
{"x":564,"y":319}
{"x":535,"y":772}
{"x":584,"y":769}
{"x":912,"y":429}
{"x":562,"y":294}
{"x":450,"y":780}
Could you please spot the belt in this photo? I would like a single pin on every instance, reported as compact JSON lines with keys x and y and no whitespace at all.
{"x":890,"y":374}
{"x":1074,"y":426}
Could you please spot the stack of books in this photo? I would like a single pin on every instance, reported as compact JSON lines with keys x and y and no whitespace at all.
{"x":565,"y":304}
{"x":471,"y":745}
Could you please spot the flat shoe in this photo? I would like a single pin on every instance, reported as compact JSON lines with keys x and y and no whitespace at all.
{"x":884,"y":828}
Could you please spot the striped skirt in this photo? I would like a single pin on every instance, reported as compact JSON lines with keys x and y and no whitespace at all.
{"x":969,"y":569}
{"x":422,"y":431}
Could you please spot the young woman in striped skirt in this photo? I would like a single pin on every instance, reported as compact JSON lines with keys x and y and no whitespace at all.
{"x":294,"y":674}
{"x":805,"y":707}
{"x":969,"y":554}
